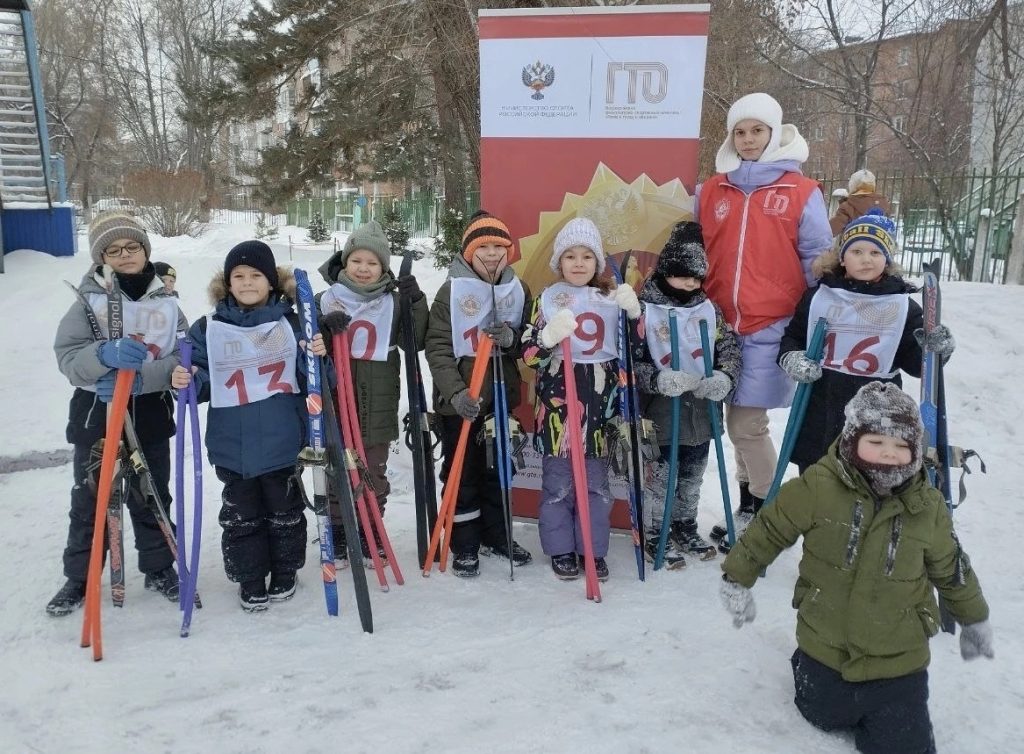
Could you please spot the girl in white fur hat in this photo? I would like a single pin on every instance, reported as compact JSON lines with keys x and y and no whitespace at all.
{"x":764,"y":223}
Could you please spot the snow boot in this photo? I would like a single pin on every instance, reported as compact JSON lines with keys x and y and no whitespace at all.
{"x":67,"y":600}
{"x":602,"y":569}
{"x":165,"y":582}
{"x":684,"y":533}
{"x":367,"y":558}
{"x":565,"y":566}
{"x":741,"y":522}
{"x":466,"y":563}
{"x":252,"y":596}
{"x":674,"y":557}
{"x":520,"y":555}
{"x":282,"y":586}
{"x":340,"y":546}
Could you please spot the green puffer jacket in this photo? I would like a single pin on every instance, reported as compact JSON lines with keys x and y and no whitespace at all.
{"x":451,"y":375}
{"x":864,"y":596}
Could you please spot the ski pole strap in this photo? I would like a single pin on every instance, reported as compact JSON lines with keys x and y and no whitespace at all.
{"x":958,"y":458}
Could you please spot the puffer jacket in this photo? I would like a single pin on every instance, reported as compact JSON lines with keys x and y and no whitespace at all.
{"x":694,"y":423}
{"x":830,"y":394}
{"x":864,"y":599}
{"x":267,"y":435}
{"x":451,"y":375}
{"x":77,"y":352}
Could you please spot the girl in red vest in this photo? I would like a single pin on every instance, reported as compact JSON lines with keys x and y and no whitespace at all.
{"x":764,"y":223}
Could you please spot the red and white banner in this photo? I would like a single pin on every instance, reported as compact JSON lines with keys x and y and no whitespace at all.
{"x":591,"y":112}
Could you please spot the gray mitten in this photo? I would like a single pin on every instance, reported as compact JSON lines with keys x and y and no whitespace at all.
{"x":673,"y":383}
{"x":976,"y":641}
{"x":335,"y":322}
{"x":502,"y":334}
{"x":940,"y":340}
{"x":801,"y":368}
{"x":713,"y":388}
{"x":465,"y":406}
{"x":738,"y":600}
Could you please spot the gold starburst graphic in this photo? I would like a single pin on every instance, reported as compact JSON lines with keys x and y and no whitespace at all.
{"x":636,"y":217}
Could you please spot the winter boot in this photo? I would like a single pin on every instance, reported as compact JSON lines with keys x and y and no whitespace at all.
{"x":602,"y":569}
{"x":684,"y":533}
{"x":367,"y":558}
{"x":520,"y":555}
{"x":741,"y":522}
{"x":466,"y":563}
{"x":252,"y":595}
{"x":565,"y":566}
{"x":743,"y":515}
{"x":340,"y":546}
{"x":282,"y":586}
{"x":674,"y":558}
{"x":67,"y":600}
{"x":165,"y":582}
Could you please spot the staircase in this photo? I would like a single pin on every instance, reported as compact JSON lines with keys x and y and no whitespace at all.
{"x":24,"y":156}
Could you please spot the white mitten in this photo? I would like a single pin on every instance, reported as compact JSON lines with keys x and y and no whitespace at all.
{"x":626,"y":298}
{"x":713,"y":388}
{"x":673,"y":383}
{"x":976,"y":641}
{"x":561,"y":326}
{"x":738,"y":600}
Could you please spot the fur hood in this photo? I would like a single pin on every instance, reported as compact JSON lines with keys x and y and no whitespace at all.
{"x":217,"y":290}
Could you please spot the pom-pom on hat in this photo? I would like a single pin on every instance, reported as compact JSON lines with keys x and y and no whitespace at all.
{"x":484,"y":228}
{"x":578,"y":232}
{"x":108,"y":227}
{"x":255,"y":254}
{"x":683,"y":255}
{"x":881,"y":408}
{"x":863,"y":181}
{"x":874,"y":227}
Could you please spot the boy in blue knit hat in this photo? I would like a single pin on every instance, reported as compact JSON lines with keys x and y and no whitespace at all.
{"x":875,"y":330}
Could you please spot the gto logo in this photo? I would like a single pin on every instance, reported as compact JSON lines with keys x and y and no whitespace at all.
{"x":775,"y":203}
{"x":652,"y":78}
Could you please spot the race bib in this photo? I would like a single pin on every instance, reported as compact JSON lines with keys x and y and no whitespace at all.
{"x":155,"y":320}
{"x":597,"y":320}
{"x":473,"y":309}
{"x":369,"y":332}
{"x":249,"y":364}
{"x":864,"y":331}
{"x":688,"y":319}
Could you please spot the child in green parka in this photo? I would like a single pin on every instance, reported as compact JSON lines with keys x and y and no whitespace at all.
{"x":877,"y":538}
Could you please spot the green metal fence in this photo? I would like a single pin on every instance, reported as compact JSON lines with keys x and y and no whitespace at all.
{"x":420,"y":211}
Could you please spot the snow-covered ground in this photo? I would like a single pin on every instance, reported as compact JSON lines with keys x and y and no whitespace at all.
{"x":483,"y":665}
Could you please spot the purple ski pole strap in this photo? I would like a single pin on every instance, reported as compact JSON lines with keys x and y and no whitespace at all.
{"x":188,"y":589}
{"x":185,"y":352}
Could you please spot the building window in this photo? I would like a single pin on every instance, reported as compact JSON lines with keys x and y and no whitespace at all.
{"x":819,"y":133}
{"x":903,"y":56}
{"x":898,"y":123}
{"x":900,"y":88}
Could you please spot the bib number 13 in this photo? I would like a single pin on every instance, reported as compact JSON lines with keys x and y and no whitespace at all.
{"x":274,"y":383}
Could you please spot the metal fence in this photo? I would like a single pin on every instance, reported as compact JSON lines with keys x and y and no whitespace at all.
{"x":419,"y":212}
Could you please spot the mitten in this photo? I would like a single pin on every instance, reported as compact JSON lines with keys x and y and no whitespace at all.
{"x":123,"y":353}
{"x":335,"y":322}
{"x":738,"y":600}
{"x":800,"y":367}
{"x":465,"y":406}
{"x":940,"y":340}
{"x":626,"y":298}
{"x":673,"y":383}
{"x":105,"y":386}
{"x":713,"y":388}
{"x":976,"y":640}
{"x":502,"y":334}
{"x":561,"y":326}
{"x":409,"y":288}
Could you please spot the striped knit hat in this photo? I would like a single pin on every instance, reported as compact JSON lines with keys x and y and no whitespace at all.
{"x":484,"y":228}
{"x":108,"y":227}
{"x":873,"y":227}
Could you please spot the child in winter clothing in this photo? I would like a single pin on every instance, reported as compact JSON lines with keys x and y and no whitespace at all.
{"x":676,"y":287}
{"x":877,"y":538}
{"x":168,"y":275}
{"x":364,"y":299}
{"x":764,"y":223}
{"x":118,"y":244}
{"x":482,"y":295}
{"x":247,"y":361}
{"x":874,"y":328}
{"x":584,"y":307}
{"x":861,"y":200}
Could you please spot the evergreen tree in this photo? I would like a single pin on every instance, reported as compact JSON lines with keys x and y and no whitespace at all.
{"x":448,"y":241}
{"x":317,"y":229}
{"x":395,"y":228}
{"x":264,"y":231}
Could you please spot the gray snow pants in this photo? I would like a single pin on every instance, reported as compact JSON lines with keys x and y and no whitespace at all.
{"x":693,"y":461}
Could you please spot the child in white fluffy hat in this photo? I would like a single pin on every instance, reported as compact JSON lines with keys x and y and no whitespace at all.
{"x":764,"y":223}
{"x":583,"y":306}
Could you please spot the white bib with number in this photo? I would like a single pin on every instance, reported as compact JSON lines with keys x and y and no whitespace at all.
{"x":369,"y":332}
{"x":597,"y":320}
{"x":154,"y":319}
{"x":864,"y":331}
{"x":688,"y":319}
{"x":472,"y":310}
{"x":249,"y":364}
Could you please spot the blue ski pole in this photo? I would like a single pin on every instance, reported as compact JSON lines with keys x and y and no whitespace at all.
{"x":673,"y":453}
{"x":716,"y":431}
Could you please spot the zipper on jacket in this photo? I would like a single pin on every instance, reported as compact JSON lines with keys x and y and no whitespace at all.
{"x":739,"y":259}
{"x":851,"y":546}
{"x":894,"y":543}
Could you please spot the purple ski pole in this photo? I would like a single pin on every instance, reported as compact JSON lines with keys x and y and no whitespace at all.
{"x":188,"y":581}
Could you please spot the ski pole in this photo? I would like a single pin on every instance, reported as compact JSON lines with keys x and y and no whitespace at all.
{"x":502,"y":442}
{"x":716,"y":431}
{"x":188,"y":579}
{"x":673,"y":453}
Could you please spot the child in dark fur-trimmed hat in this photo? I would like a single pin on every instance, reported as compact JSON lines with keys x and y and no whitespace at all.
{"x":675,"y":289}
{"x":877,"y":537}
